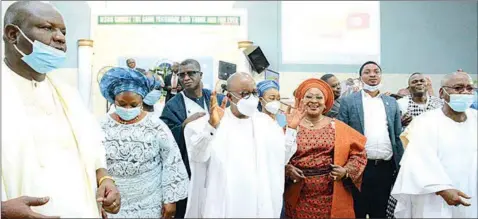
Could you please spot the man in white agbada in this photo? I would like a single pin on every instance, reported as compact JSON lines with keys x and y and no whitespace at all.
{"x":245,"y":152}
{"x":51,"y":145}
{"x":438,"y":171}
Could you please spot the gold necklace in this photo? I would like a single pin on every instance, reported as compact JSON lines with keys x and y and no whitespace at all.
{"x":312,"y":124}
{"x":128,"y":122}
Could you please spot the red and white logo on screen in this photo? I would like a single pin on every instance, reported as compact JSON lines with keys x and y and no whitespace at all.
{"x":358,"y":21}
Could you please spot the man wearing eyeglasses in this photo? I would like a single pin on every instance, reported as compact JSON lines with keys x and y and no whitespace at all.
{"x":245,"y":153}
{"x":188,"y":105}
{"x":438,"y":174}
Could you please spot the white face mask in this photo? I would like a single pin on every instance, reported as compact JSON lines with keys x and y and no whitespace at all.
{"x":247,"y":106}
{"x":371,"y":88}
{"x":273,"y":107}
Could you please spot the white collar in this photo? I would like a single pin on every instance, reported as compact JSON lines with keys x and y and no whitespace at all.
{"x":366,"y":95}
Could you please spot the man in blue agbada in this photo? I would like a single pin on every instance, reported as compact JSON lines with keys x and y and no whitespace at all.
{"x":188,"y":105}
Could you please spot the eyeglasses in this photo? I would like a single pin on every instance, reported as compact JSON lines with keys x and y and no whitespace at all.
{"x":245,"y":94}
{"x":189,"y":73}
{"x":461,"y":88}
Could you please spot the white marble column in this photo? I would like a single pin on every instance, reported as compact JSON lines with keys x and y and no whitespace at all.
{"x":85,"y":74}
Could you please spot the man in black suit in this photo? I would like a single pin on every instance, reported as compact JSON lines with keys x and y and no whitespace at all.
{"x":377,"y":116}
{"x":171,"y":82}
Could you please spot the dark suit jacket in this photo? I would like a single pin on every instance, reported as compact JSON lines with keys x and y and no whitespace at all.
{"x":167,"y":82}
{"x":351,"y":113}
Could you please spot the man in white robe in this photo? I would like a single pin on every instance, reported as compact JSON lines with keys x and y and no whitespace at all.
{"x":245,"y":152}
{"x":188,"y":105}
{"x":438,"y":171}
{"x":51,"y":145}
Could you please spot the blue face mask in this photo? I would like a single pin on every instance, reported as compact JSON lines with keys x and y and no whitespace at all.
{"x":43,"y":58}
{"x":281,"y":119}
{"x":152,"y":97}
{"x":460,"y":102}
{"x":128,"y":114}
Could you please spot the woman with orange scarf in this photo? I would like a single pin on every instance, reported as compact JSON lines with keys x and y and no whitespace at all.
{"x":329,"y":161}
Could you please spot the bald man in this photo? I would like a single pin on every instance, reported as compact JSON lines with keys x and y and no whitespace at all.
{"x":245,"y":152}
{"x":51,"y":145}
{"x":171,"y":82}
{"x":131,"y":63}
{"x":438,"y":174}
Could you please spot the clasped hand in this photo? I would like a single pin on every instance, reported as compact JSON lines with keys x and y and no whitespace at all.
{"x":109,"y":198}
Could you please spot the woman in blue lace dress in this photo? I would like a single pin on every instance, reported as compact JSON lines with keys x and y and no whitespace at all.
{"x":141,"y":152}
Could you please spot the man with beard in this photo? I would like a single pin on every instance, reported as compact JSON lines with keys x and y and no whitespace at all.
{"x":419,"y":101}
{"x":189,"y":105}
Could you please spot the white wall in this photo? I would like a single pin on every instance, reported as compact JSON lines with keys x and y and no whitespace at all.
{"x":173,"y":42}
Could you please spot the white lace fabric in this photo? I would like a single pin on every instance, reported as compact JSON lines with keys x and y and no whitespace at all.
{"x":146,"y":163}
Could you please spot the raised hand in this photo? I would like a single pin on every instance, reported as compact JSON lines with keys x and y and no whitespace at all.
{"x":216,"y":112}
{"x":294,"y":117}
